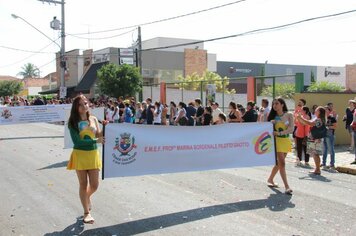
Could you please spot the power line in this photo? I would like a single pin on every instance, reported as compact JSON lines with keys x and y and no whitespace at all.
{"x":109,"y":37}
{"x":23,"y":50}
{"x":163,"y":20}
{"x":47,"y":63}
{"x":256,"y":31}
{"x":16,"y":62}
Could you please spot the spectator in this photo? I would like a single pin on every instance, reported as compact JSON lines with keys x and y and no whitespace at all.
{"x":235,"y":114}
{"x":329,"y":140}
{"x":313,"y":116}
{"x":353,"y":127}
{"x":264,"y":110}
{"x":127,"y":113}
{"x":38,"y":102}
{"x":348,"y":118}
{"x":149,"y":111}
{"x":216,"y":111}
{"x":109,"y":113}
{"x":172,"y":112}
{"x":164,"y":115}
{"x":191,"y":112}
{"x":200,"y":112}
{"x":181,"y":118}
{"x":314,"y":145}
{"x":330,"y":106}
{"x":207,"y":117}
{"x":138,"y":113}
{"x":116,"y":113}
{"x":157,"y":113}
{"x":143,"y":118}
{"x":301,"y":134}
{"x":251,"y":114}
{"x":222,"y":119}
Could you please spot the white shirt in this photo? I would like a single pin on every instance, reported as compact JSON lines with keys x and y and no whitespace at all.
{"x":216,"y":114}
{"x":157,"y":117}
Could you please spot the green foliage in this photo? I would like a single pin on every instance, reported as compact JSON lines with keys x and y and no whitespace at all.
{"x":285,"y":90}
{"x":325,"y":86}
{"x":29,"y":70}
{"x":115,"y":81}
{"x":10,"y":88}
{"x":194,"y":81}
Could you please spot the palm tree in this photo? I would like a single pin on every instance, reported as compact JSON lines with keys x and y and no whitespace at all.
{"x":29,"y":70}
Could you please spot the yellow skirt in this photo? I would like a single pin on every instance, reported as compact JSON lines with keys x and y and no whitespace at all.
{"x":283,"y":145}
{"x":84,"y":160}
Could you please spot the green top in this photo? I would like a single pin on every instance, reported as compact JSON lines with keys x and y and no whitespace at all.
{"x":86,"y":143}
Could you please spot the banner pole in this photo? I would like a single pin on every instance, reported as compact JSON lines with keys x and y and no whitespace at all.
{"x":102,"y":157}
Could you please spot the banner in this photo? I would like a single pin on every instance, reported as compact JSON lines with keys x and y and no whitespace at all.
{"x":132,"y":150}
{"x":32,"y":114}
{"x":98,"y":112}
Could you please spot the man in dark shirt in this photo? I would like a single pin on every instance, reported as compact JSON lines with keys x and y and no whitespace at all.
{"x":200,"y":112}
{"x":149,"y":111}
{"x":191,"y":112}
{"x":38,"y":102}
{"x":251,"y":114}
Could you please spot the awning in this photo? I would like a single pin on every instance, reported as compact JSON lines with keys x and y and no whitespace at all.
{"x":89,"y":78}
{"x":56,"y":90}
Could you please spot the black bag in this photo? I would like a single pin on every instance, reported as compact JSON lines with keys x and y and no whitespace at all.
{"x":319,"y":132}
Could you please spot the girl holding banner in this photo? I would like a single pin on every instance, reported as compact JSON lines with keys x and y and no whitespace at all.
{"x":85,"y":159}
{"x":283,"y":126}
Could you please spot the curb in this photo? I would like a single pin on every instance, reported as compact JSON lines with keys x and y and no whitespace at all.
{"x":346,"y":170}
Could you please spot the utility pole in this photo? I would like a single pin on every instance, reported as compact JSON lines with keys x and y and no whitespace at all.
{"x":62,"y":63}
{"x":139,"y":51}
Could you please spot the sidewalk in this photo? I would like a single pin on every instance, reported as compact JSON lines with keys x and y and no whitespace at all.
{"x":343,"y":158}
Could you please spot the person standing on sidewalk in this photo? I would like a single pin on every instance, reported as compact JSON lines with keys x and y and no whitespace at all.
{"x":301,"y":135}
{"x":329,"y":140}
{"x":314,"y":145}
{"x":283,"y":126}
{"x":348,"y":118}
{"x":353,"y":126}
{"x":85,"y":159}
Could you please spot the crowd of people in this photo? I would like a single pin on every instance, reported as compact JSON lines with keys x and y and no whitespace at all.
{"x":148,"y":112}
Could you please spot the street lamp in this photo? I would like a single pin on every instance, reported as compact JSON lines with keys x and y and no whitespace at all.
{"x":19,"y":17}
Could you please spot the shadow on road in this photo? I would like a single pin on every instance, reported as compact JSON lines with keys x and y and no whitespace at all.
{"x":275,"y":202}
{"x":73,"y":229}
{"x":31,"y":137}
{"x":315,"y":178}
{"x":56,"y":165}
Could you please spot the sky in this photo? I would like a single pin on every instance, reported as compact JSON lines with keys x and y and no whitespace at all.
{"x":327,"y":42}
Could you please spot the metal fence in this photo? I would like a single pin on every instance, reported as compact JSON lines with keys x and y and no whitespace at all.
{"x":227,"y":90}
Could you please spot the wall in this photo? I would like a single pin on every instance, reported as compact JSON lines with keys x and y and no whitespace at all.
{"x":195,"y":61}
{"x":279,"y":69}
{"x":351,"y":78}
{"x":340,"y":102}
{"x":331,"y":74}
{"x":162,"y":41}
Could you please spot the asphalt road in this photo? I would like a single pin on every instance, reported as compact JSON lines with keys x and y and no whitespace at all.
{"x":38,"y":196}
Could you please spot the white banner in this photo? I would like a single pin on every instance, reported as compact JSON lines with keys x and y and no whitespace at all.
{"x":132,"y":150}
{"x":31,"y":114}
{"x":97,"y":112}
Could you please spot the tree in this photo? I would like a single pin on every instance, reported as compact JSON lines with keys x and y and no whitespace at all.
{"x":29,"y":70}
{"x":10,"y":88}
{"x":194,"y":82}
{"x":115,"y":81}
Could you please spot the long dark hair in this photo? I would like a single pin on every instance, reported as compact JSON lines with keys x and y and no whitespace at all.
{"x":272,"y":115}
{"x":322,"y":114}
{"x":74,"y":117}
